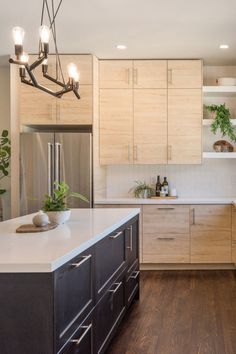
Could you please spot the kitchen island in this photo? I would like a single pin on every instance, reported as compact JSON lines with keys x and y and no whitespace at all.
{"x":66,"y":290}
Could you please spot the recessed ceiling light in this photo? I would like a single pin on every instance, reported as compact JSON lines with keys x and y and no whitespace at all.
{"x":224,"y":46}
{"x":121,"y":46}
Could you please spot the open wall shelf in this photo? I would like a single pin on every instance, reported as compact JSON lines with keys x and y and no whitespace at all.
{"x":219,"y":155}
{"x":219,"y":90}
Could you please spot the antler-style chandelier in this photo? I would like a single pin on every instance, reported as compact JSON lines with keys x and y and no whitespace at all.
{"x":26,"y":70}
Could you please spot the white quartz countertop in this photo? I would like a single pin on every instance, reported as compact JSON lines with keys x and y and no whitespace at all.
{"x":47,"y":251}
{"x":139,"y":201}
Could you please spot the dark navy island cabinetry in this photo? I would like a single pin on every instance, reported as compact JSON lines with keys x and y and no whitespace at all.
{"x":75,"y":309}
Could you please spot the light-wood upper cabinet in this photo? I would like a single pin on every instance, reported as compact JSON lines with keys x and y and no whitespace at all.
{"x":211,"y":234}
{"x":150,"y":74}
{"x":184,"y":126}
{"x":116,"y":73}
{"x":184,"y":74}
{"x":166,"y":234}
{"x":84,"y":65}
{"x":37,"y":107}
{"x":116,"y":126}
{"x":150,"y":126}
{"x":71,"y":110}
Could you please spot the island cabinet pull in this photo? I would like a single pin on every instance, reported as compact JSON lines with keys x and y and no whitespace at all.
{"x":166,"y":238}
{"x":168,"y":208}
{"x":130,"y":247}
{"x":79,"y":340}
{"x":135,"y":274}
{"x":83,"y":260}
{"x":116,"y":288}
{"x":116,"y":235}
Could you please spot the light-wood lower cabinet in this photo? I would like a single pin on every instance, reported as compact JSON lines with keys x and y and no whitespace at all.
{"x":166,"y":234}
{"x":211,"y":234}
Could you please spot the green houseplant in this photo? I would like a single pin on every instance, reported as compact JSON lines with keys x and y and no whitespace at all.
{"x":142,"y":190}
{"x":5,"y":156}
{"x":55,"y":205}
{"x":222,"y":121}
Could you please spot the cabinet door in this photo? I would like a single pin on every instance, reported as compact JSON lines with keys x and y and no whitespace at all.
{"x":84,"y":65}
{"x":116,"y":126}
{"x":150,"y":74}
{"x":211,"y":234}
{"x":73,"y":302}
{"x":184,"y":126}
{"x":108,"y":313}
{"x":184,"y":74}
{"x":72,"y":110}
{"x":82,"y":340}
{"x":37,"y":107}
{"x":150,"y":126}
{"x":166,"y":234}
{"x":116,"y":73}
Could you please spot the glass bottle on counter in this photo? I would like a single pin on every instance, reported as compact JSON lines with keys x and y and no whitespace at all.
{"x":165,"y":186}
{"x":158,"y":187}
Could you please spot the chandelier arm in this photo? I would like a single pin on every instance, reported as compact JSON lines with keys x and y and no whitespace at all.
{"x":76,"y":93}
{"x":37,"y":62}
{"x":31,"y":75}
{"x":27,"y":82}
{"x":53,"y":80}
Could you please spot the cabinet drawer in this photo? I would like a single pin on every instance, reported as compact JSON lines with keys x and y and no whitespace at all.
{"x":132,"y":283}
{"x":81,"y":341}
{"x":164,"y":248}
{"x":132,"y":243}
{"x":108,"y":314}
{"x":165,"y":219}
{"x":73,"y":302}
{"x":110,"y":258}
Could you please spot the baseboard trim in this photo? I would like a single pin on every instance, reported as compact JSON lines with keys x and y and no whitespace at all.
{"x":159,"y":266}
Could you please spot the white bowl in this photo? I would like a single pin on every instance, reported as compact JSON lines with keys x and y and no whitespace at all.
{"x":226,"y":81}
{"x":58,"y":217}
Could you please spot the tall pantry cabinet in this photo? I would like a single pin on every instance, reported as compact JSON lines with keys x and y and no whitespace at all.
{"x":158,"y":109}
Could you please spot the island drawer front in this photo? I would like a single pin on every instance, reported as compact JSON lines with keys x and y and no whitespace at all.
{"x":164,"y":248}
{"x":165,"y":219}
{"x":82,"y":339}
{"x":132,"y":283}
{"x":73,"y":302}
{"x":108,"y":314}
{"x":110,"y":257}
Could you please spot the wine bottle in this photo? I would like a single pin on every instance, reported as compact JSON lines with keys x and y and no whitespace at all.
{"x":165,"y":186}
{"x":158,"y":187}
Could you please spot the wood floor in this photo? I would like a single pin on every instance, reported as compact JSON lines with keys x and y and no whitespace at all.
{"x":181,"y":312}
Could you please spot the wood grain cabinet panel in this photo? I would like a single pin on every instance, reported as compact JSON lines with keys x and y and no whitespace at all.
{"x":116,"y":74}
{"x":84,"y":65}
{"x":184,"y":126}
{"x":211,"y":234}
{"x":150,"y":74}
{"x":37,"y":107}
{"x":150,"y":126}
{"x":166,"y":234}
{"x":116,"y":126}
{"x":233,"y":224}
{"x":184,"y":74}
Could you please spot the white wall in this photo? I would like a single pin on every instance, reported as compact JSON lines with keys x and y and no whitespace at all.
{"x":5,"y":123}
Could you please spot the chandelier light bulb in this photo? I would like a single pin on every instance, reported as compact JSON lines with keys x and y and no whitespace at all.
{"x":18,"y":34}
{"x":44,"y":33}
{"x":76,"y":77}
{"x":72,"y":71}
{"x":24,"y":58}
{"x":45,"y":62}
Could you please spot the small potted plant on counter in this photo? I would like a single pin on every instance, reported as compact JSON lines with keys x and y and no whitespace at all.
{"x":142,"y":190}
{"x":221,"y":121}
{"x":55,"y":205}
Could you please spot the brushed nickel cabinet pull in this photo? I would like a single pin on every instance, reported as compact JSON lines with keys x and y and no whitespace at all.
{"x":130,"y":247}
{"x":135,"y":275}
{"x":84,"y":259}
{"x":129,"y":155}
{"x":168,"y":208}
{"x":128,"y":76}
{"x":136,"y":152}
{"x":169,"y":152}
{"x":166,"y":238}
{"x":116,"y":288}
{"x":136,"y":76}
{"x":170,"y":76}
{"x":193,"y":216}
{"x":116,"y":235}
{"x":79,"y":340}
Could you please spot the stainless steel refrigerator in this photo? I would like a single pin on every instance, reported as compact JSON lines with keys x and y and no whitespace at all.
{"x":46,"y":157}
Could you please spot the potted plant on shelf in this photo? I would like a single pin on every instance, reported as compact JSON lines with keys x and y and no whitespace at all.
{"x":55,"y":205}
{"x":5,"y":156}
{"x":142,"y":190}
{"x":221,"y":121}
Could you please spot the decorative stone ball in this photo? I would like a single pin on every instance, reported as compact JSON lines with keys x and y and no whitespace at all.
{"x":40,"y":219}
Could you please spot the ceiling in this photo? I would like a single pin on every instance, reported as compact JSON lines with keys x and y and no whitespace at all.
{"x":150,"y":29}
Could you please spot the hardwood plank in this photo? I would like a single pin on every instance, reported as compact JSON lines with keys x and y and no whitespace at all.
{"x":181,"y":312}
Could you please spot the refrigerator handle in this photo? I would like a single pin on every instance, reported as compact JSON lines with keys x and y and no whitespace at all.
{"x":57,"y":162}
{"x":49,"y":168}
